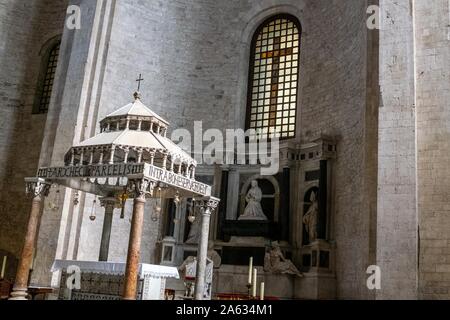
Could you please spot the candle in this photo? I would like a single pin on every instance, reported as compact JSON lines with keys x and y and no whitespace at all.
{"x":262,"y":290}
{"x":255,"y":284}
{"x":250,"y":269}
{"x":3,"y":267}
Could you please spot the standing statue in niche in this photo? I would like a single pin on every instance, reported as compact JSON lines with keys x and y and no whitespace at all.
{"x":276,"y":263}
{"x":253,"y":211}
{"x":310,"y":218}
{"x":194,"y":231}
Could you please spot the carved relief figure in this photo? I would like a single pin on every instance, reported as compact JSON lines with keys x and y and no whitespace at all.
{"x":188,"y":270}
{"x":253,"y":211}
{"x":310,"y":218}
{"x":275,"y":262}
{"x":214,"y":256}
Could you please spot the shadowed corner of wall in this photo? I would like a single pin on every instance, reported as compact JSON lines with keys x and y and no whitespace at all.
{"x":8,"y":267}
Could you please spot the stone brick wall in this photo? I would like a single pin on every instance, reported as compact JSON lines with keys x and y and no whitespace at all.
{"x":26,"y":26}
{"x":413,"y":199}
{"x":334,"y":103}
{"x":432,"y":33}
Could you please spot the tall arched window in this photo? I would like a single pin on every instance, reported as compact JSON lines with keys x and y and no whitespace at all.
{"x":273,"y":78}
{"x":46,"y":79}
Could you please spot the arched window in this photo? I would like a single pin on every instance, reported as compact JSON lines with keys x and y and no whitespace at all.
{"x":46,"y":79}
{"x":273,"y":78}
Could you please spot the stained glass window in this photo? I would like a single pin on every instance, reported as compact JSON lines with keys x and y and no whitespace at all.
{"x":48,"y":79}
{"x":273,"y":78}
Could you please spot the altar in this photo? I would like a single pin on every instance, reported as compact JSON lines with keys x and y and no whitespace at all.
{"x":88,"y":280}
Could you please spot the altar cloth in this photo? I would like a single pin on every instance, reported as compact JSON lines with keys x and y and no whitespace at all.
{"x":115,"y":268}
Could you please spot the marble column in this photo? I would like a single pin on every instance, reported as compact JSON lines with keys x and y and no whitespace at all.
{"x":323,"y":199}
{"x":207,"y":206}
{"x":38,"y":189}
{"x":233,"y":195}
{"x":109,"y":204}
{"x":140,"y":188}
{"x":285,"y":205}
{"x":223,"y":204}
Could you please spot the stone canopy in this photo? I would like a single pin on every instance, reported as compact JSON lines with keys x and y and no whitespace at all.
{"x":132,"y":134}
{"x":132,"y":142}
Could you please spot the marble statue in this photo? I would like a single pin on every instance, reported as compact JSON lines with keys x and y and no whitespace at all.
{"x":214,"y":256}
{"x":253,"y":211}
{"x":188,"y":272}
{"x":310,"y":218}
{"x":276,"y":263}
{"x":187,"y":268}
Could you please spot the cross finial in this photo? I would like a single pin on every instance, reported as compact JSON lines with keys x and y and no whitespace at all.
{"x":139,"y":80}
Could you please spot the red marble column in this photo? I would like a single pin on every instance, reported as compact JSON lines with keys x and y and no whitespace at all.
{"x":39,"y":190}
{"x":134,"y":245}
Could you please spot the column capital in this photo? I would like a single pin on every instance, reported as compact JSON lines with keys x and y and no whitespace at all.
{"x":140,"y":187}
{"x":37,"y":187}
{"x":208,"y":205}
{"x":109,"y":201}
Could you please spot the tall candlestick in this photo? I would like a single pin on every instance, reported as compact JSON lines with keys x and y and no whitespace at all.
{"x":262,"y":290}
{"x":250,"y":269}
{"x":3,"y":267}
{"x":255,"y":284}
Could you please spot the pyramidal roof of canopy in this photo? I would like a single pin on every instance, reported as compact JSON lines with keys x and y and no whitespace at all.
{"x":137,"y":109}
{"x":127,"y":137}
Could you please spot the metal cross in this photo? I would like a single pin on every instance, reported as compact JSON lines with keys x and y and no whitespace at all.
{"x":139,"y":82}
{"x":275,"y":55}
